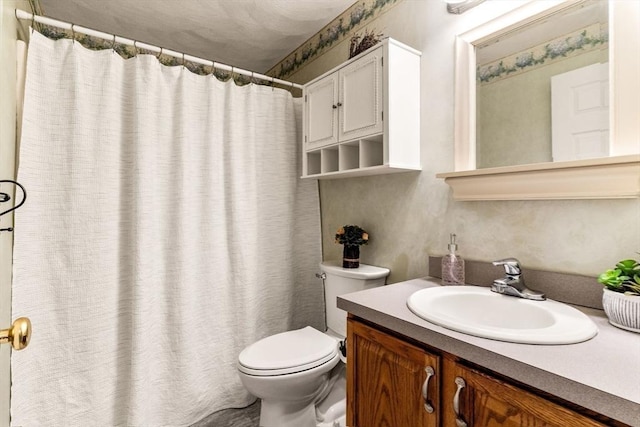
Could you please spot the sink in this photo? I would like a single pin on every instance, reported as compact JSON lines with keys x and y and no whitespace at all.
{"x":478,"y":311}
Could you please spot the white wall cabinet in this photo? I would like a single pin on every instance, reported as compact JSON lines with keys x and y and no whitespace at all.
{"x":363,"y":117}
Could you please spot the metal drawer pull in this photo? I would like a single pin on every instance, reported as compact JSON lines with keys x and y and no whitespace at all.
{"x":456,"y":402}
{"x":425,"y":389}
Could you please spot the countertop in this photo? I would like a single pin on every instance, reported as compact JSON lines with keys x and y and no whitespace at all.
{"x":602,"y":374}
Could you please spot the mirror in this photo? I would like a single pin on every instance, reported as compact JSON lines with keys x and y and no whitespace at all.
{"x":526,"y":79}
{"x":494,"y":55}
{"x":614,"y":176}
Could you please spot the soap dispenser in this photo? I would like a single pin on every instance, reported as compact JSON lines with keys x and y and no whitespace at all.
{"x":452,"y":265}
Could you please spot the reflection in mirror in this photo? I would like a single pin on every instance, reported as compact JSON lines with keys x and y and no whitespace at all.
{"x":605,"y":177}
{"x":542,"y":89}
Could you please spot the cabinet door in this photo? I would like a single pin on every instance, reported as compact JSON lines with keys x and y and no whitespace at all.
{"x":390,"y":383}
{"x":485,"y":401}
{"x":321,"y":118}
{"x":360,"y":105}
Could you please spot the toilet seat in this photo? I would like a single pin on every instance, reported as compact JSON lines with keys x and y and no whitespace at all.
{"x":288,"y":353}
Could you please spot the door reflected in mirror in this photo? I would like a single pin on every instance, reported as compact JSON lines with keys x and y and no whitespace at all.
{"x":542,"y":89}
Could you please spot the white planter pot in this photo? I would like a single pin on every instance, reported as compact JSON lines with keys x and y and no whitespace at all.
{"x":622,"y":310}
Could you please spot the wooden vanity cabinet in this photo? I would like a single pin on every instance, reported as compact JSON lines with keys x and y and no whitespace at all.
{"x":390,"y":383}
{"x":386,"y":377}
{"x":486,"y":401}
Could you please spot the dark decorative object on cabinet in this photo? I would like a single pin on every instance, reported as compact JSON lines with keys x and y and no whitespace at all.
{"x":361,"y":43}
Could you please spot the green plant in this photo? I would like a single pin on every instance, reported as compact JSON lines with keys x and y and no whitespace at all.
{"x":352,"y":235}
{"x":624,"y":278}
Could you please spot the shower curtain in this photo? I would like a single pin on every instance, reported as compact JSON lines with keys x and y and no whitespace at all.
{"x":165,"y":229}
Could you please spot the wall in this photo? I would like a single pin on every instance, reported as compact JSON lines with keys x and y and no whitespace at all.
{"x":8,"y":33}
{"x":409,"y":216}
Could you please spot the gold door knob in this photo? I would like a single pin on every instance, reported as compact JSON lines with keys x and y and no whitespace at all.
{"x":18,"y":334}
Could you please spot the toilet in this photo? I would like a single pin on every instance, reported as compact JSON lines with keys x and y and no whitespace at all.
{"x":300,"y":375}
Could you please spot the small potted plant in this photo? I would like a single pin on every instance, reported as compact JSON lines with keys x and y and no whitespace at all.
{"x":351,"y":236}
{"x":621,"y":298}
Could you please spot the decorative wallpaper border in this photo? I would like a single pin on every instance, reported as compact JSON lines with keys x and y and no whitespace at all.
{"x":337,"y":30}
{"x":595,"y":36}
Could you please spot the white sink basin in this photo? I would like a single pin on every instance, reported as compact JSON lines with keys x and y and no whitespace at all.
{"x":477,"y":311}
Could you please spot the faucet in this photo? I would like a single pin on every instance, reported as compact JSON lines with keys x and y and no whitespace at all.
{"x":513,"y":283}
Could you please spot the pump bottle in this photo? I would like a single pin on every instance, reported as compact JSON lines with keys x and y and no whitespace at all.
{"x":452,"y":265}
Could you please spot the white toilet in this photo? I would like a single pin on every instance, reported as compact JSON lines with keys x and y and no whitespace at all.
{"x":299,"y":374}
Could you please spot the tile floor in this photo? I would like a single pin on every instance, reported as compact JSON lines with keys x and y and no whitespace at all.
{"x":246,"y":417}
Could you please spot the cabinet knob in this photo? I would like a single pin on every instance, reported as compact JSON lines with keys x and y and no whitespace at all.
{"x":334,"y":106}
{"x":339,"y":104}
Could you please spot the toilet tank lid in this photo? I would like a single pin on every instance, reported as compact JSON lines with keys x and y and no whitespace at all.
{"x":363,"y":272}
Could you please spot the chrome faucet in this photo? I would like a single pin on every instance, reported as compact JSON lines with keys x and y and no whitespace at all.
{"x":513,"y":283}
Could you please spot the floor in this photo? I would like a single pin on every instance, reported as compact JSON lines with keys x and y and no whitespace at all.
{"x":246,"y":417}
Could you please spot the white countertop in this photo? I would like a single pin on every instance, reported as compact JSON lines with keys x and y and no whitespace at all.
{"x":602,"y":374}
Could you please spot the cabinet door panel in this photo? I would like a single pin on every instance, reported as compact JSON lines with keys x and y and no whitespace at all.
{"x":486,"y":401}
{"x":361,"y":97}
{"x":321,"y":126}
{"x":386,"y":377}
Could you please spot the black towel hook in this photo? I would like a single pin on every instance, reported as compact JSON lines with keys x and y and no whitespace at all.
{"x":5,"y":197}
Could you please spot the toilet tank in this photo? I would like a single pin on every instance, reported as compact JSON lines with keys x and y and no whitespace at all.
{"x":339,"y":281}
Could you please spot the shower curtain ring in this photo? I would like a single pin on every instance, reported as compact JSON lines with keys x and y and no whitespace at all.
{"x":273,"y":83}
{"x":113,"y":44}
{"x":135,"y":48}
{"x":73,"y":33}
{"x":183,"y":60}
{"x":159,"y":54}
{"x":33,"y":22}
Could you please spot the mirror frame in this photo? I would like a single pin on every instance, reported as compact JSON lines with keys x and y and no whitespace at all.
{"x":611,"y":177}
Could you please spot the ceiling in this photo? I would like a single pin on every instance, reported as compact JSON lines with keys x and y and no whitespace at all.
{"x":250,"y":34}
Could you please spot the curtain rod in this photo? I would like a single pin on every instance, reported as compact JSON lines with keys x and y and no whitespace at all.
{"x":21,"y":14}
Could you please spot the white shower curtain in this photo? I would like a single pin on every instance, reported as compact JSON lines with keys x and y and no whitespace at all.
{"x":165,"y":229}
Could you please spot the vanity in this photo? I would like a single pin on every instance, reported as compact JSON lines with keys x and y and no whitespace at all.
{"x":406,"y":371}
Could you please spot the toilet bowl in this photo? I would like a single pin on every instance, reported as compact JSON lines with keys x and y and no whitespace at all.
{"x":299,"y":375}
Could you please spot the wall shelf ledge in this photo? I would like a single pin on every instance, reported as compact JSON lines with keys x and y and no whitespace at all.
{"x":603,"y":178}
